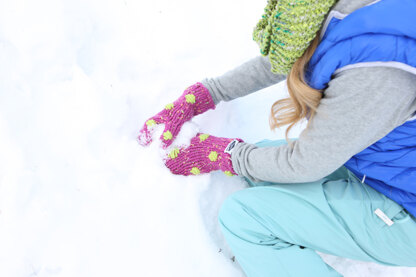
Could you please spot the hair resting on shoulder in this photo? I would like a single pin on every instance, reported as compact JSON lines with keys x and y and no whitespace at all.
{"x":303,"y":98}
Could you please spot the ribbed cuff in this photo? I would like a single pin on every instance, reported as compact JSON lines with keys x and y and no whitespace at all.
{"x":209,"y":88}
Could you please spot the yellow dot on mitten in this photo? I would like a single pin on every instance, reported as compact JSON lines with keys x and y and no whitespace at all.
{"x":195,"y":170}
{"x":174,"y":153}
{"x":213,"y":156}
{"x":228,"y":173}
{"x":190,"y":98}
{"x":203,"y":137}
{"x":167,"y":135}
{"x":150,"y":123}
{"x":169,"y":106}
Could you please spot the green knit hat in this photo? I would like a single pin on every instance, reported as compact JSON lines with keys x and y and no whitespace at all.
{"x":287,"y":28}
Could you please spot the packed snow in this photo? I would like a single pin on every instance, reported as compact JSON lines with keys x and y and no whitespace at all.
{"x":78,"y":195}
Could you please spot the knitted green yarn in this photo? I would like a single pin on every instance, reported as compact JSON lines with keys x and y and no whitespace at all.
{"x":287,"y":28}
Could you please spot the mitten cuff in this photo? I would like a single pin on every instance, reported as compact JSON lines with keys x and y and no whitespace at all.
{"x":228,"y":169}
{"x":200,"y":96}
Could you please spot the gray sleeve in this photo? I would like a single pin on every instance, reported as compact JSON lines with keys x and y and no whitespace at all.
{"x":251,"y":76}
{"x":359,"y":107}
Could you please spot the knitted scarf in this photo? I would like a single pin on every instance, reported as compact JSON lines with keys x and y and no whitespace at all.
{"x":286,"y":29}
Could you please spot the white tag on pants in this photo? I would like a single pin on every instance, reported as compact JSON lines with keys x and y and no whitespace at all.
{"x":383,"y":217}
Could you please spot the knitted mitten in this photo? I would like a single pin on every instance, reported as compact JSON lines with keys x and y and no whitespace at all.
{"x":195,"y":100}
{"x":205,"y":154}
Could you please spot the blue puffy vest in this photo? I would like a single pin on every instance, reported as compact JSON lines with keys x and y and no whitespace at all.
{"x":382,"y":33}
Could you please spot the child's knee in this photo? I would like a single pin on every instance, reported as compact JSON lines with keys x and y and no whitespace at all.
{"x":236,"y":205}
{"x":243,"y":216}
{"x":230,"y":209}
{"x":233,"y":213}
{"x":242,"y":209}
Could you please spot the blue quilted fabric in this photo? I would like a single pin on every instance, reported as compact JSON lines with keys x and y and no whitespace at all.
{"x":382,"y":32}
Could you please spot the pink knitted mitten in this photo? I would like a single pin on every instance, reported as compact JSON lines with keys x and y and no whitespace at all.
{"x":205,"y":154}
{"x":195,"y":100}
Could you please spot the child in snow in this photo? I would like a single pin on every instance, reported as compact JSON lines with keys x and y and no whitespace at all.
{"x":347,"y":185}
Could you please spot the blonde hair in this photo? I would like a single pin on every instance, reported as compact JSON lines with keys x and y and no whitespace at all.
{"x":303,"y":100}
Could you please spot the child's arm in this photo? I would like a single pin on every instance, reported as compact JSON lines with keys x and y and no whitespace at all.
{"x":360,"y":106}
{"x":248,"y":77}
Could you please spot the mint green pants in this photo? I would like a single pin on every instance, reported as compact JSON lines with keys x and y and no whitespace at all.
{"x":274,"y":229}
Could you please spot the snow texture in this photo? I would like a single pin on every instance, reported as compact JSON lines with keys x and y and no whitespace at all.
{"x":78,"y":195}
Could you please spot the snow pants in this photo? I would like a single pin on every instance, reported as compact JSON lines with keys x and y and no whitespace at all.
{"x":273,"y":229}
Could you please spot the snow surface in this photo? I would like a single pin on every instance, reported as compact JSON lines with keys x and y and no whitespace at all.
{"x":78,"y":195}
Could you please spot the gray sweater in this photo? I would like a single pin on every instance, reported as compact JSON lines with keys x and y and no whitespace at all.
{"x":359,"y":107}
